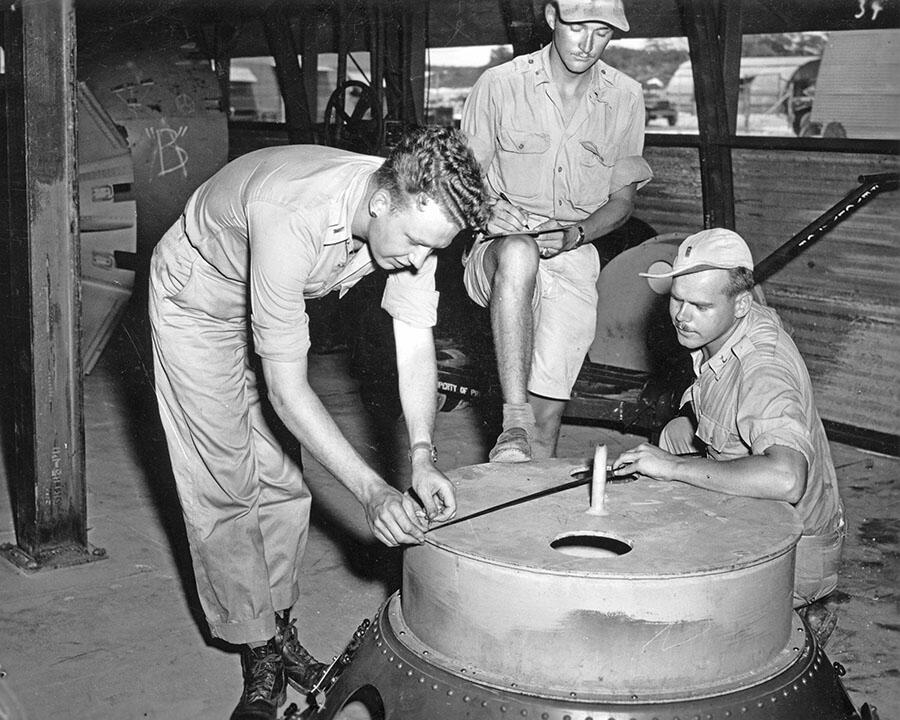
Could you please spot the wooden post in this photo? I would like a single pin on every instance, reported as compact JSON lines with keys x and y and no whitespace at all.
{"x":377,"y":51}
{"x":341,"y":22}
{"x":309,"y":52}
{"x":730,"y":23}
{"x":290,"y":80}
{"x":218,"y":49}
{"x":415,"y":46}
{"x":42,"y":301}
{"x":521,"y":25}
{"x":704,"y":21}
{"x":396,"y":76}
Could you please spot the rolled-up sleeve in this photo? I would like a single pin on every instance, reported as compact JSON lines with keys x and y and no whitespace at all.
{"x":769,"y":412}
{"x":411,"y":296}
{"x":630,"y":166}
{"x":478,"y":121}
{"x":628,"y":170}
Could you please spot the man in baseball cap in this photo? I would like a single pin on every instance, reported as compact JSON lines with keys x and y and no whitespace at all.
{"x":716,"y":248}
{"x":560,"y":136}
{"x":611,"y":12}
{"x":749,"y":425}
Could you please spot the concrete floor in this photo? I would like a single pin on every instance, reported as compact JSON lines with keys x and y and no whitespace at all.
{"x":124,"y":638}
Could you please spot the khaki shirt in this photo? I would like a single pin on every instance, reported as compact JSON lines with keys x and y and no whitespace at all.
{"x":279,"y":220}
{"x":755,"y":393}
{"x":547,"y":166}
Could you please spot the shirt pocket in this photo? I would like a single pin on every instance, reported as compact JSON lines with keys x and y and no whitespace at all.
{"x":591,"y":181}
{"x":520,"y":159}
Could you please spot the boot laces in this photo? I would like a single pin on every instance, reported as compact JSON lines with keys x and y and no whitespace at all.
{"x":263,"y":673}
{"x":290,"y":641}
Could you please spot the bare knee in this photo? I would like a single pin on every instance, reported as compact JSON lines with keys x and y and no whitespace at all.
{"x":516,"y":260}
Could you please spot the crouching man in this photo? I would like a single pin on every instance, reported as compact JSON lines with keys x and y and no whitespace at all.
{"x":753,"y":428}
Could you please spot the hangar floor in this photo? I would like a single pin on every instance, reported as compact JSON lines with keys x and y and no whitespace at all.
{"x":123,"y":637}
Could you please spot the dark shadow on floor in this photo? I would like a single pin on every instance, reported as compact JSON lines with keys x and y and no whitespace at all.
{"x":128,"y":360}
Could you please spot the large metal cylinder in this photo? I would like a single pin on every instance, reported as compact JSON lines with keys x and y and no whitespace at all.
{"x":676,"y":592}
{"x":675,"y":604}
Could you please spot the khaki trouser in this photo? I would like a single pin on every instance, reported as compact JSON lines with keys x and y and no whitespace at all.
{"x":816,"y":567}
{"x":245,"y":505}
{"x":817,"y":558}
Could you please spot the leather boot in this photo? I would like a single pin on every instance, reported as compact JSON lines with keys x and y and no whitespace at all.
{"x":301,"y":668}
{"x":264,"y":683}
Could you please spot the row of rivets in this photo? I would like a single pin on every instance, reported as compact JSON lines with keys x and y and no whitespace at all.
{"x":546,"y":716}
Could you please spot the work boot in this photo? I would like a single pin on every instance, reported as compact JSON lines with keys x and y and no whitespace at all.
{"x":822,"y":619}
{"x":514,"y":443}
{"x":301,"y":668}
{"x":264,"y":686}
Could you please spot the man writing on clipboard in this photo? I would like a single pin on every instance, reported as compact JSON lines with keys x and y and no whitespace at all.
{"x":559,"y":134}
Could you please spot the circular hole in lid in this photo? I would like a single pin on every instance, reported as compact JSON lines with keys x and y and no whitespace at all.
{"x":590,"y":545}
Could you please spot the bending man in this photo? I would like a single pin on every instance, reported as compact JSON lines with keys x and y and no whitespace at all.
{"x":266,"y":232}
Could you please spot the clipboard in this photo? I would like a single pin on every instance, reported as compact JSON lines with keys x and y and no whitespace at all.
{"x":528,"y":233}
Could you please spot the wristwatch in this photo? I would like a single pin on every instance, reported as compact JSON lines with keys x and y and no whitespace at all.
{"x":423,"y":444}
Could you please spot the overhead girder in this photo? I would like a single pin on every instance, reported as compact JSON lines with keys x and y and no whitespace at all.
{"x":480,"y":22}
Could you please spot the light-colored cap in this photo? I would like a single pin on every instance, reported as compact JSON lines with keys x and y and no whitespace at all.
{"x":713,"y":249}
{"x":611,"y":12}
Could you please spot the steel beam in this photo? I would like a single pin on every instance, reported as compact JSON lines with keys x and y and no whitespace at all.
{"x":42,"y":293}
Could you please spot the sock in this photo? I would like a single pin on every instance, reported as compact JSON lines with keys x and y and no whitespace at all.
{"x":518,"y":415}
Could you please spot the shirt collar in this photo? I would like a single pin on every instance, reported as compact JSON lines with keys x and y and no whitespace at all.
{"x":601,"y":73}
{"x":340,"y":212}
{"x":737,"y":345}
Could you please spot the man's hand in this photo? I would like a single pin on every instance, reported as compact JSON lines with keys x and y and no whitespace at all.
{"x":393,"y":517}
{"x":553,"y":244}
{"x":647,"y":461}
{"x":507,"y":218}
{"x":435,"y":490}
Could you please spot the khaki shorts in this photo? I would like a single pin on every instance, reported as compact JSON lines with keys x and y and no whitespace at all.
{"x":565,"y":314}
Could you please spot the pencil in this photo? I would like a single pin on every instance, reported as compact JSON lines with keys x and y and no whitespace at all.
{"x":503,"y":197}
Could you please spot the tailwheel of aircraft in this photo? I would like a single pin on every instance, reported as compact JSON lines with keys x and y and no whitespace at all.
{"x":351,"y":121}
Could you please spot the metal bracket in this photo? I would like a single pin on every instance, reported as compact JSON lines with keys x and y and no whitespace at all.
{"x":316,"y":697}
{"x":63,"y":556}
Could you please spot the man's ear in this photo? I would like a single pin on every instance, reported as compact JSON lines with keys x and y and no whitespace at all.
{"x":742,"y":303}
{"x":550,"y":15}
{"x":380,"y":202}
{"x":422,"y":201}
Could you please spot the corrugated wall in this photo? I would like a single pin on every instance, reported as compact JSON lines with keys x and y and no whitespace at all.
{"x":840,"y":297}
{"x":673,"y":200}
